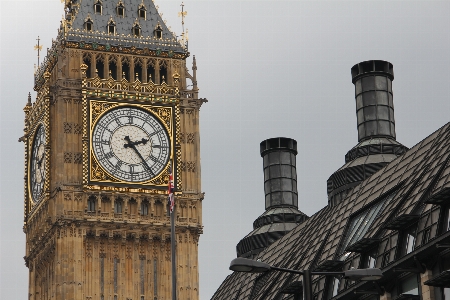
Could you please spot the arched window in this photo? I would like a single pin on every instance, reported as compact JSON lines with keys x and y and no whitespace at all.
{"x":91,"y":204}
{"x":88,"y":24}
{"x":113,"y":68}
{"x":163,"y":74}
{"x":100,"y":67}
{"x":87,"y":62}
{"x":142,"y":11}
{"x":150,"y":72}
{"x":138,"y":70}
{"x":126,"y":70}
{"x":118,"y":206}
{"x":158,"y":32}
{"x":111,"y":26}
{"x":144,"y":208}
{"x":132,"y":207}
{"x":98,"y":7}
{"x":120,"y":9}
{"x":136,"y":29}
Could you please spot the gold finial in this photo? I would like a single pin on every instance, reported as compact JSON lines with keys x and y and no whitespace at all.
{"x":137,"y":76}
{"x":150,"y":78}
{"x":110,"y":73}
{"x":38,"y":47}
{"x":163,"y":79}
{"x":183,"y":14}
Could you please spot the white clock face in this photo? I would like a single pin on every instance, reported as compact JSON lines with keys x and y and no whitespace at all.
{"x":131,"y":144}
{"x":37,"y":165}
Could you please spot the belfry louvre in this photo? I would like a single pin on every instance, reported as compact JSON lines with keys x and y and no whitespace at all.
{"x":388,"y":208}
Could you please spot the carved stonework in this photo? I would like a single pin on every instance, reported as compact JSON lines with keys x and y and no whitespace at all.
{"x":68,"y":157}
{"x":190,"y":138}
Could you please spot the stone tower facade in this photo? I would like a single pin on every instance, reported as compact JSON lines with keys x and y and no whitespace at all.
{"x":113,"y":117}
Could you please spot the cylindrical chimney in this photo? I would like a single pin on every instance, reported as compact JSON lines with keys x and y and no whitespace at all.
{"x":280,"y":174}
{"x":374,"y":104}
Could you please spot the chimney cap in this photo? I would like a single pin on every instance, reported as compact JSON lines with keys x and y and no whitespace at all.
{"x":372,"y":67}
{"x":277,"y":144}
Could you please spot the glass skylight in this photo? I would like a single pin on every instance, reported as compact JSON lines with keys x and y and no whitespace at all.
{"x":360,"y":224}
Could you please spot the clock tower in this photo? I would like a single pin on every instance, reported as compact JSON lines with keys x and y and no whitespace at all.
{"x":113,"y":117}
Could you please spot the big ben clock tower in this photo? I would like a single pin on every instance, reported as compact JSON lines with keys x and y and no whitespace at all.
{"x":112,"y":118}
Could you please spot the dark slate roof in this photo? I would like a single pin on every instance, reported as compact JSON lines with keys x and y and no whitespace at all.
{"x":414,"y":177}
{"x":124,"y":25}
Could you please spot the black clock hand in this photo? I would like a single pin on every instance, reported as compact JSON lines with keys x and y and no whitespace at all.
{"x":131,"y":145}
{"x":143,"y":142}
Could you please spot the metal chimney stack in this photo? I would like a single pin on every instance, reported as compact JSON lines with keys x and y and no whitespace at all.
{"x":281,"y":197}
{"x":373,"y":94}
{"x":280,"y":174}
{"x":377,"y":145}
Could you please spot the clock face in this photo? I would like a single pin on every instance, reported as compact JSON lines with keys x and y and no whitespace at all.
{"x":37,"y":165}
{"x":131,"y":144}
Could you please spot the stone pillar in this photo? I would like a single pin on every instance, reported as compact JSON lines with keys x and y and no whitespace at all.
{"x":106,"y":67}
{"x":144,"y":78}
{"x":427,"y":291}
{"x":119,"y":68}
{"x":152,"y":206}
{"x":132,"y":77}
{"x":113,"y":203}
{"x":138,"y":203}
{"x":93,"y":65}
{"x":157,"y":80}
{"x":125,"y":208}
{"x":99,"y":208}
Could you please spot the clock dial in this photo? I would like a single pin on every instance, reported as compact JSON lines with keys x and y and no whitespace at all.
{"x":37,"y":165}
{"x":131,"y":144}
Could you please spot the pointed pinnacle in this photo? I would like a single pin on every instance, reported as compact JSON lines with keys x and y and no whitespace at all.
{"x":194,"y":63}
{"x":29,"y":99}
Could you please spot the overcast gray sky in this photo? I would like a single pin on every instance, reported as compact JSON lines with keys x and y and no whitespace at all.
{"x":268,"y":69}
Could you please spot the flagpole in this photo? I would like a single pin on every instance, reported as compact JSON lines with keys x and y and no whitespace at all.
{"x":172,"y":233}
{"x":173,"y":242}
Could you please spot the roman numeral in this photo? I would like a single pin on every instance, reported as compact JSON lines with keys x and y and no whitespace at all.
{"x":156,"y":132}
{"x":108,"y":155}
{"x":159,"y":146}
{"x":155,"y":159}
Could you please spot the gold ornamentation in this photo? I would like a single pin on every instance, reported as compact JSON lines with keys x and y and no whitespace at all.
{"x":97,"y":108}
{"x":165,"y":114}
